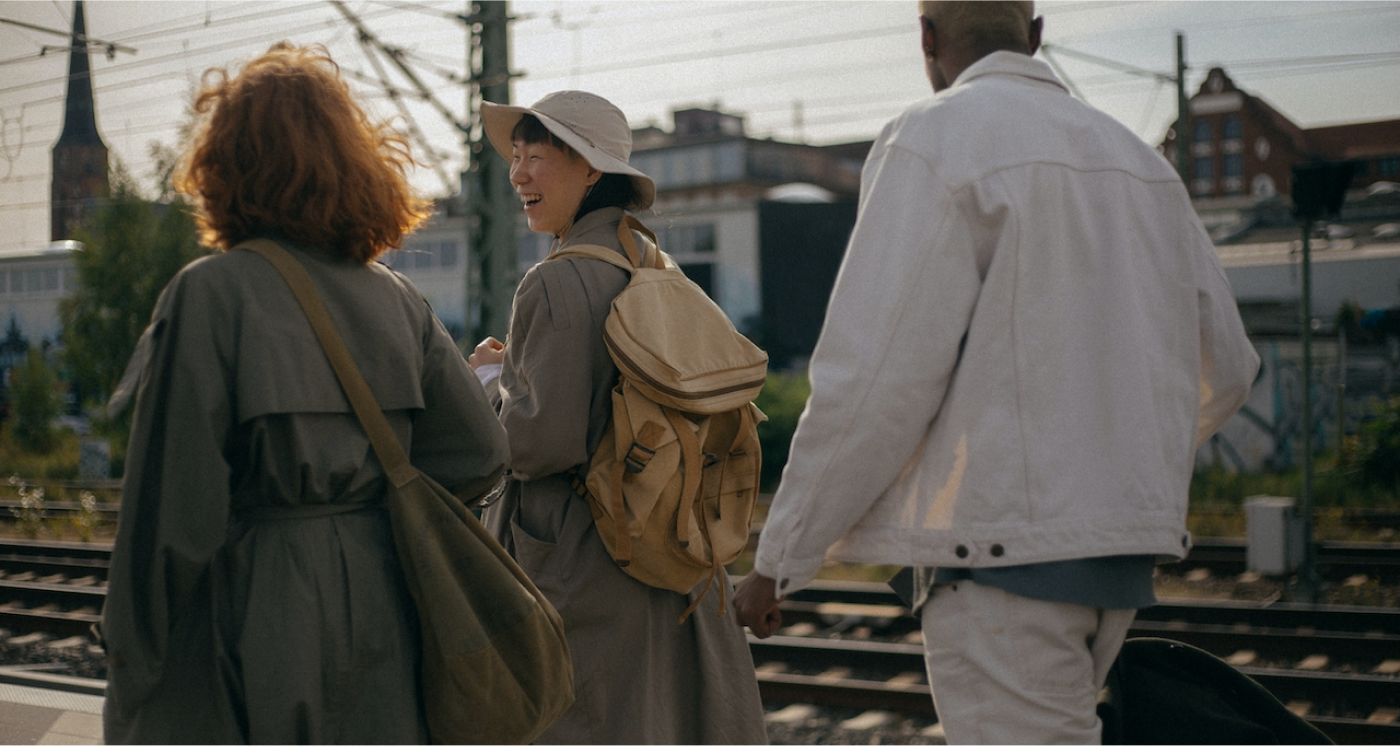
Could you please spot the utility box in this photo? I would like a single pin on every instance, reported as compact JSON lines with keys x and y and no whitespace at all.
{"x":1275,"y":533}
{"x":94,"y":458}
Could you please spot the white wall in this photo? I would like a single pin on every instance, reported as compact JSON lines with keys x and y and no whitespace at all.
{"x":31,"y":285}
{"x":1369,"y":276}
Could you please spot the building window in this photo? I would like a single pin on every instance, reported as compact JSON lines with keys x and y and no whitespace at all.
{"x":1203,"y":169}
{"x":1388,"y":166}
{"x":447,"y":259}
{"x":729,"y":162}
{"x":1204,"y":132}
{"x":646,"y":163}
{"x":704,"y":239}
{"x":1232,"y":129}
{"x":668,"y":167}
{"x":702,"y":275}
{"x":1234,"y":165}
{"x":684,"y":240}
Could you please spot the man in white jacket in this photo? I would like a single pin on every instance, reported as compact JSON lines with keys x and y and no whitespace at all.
{"x":1028,"y":339}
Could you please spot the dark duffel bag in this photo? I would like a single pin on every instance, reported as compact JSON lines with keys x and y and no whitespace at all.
{"x":1163,"y":691}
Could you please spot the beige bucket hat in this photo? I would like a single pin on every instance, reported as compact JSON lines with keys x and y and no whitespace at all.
{"x":589,"y":123}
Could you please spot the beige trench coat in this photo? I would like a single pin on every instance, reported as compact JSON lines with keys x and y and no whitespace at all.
{"x":639,"y":676}
{"x":255,"y":593}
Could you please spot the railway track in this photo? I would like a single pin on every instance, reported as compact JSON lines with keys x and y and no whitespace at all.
{"x":1337,"y":560}
{"x":52,"y":587}
{"x":851,"y":645}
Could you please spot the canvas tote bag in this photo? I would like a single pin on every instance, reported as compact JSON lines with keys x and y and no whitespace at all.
{"x":496,"y":666}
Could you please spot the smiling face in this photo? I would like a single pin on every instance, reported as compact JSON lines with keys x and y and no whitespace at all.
{"x":551,"y":183}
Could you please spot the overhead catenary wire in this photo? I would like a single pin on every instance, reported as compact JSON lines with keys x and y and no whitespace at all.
{"x":435,"y":157}
{"x":750,"y":71}
{"x":111,"y":47}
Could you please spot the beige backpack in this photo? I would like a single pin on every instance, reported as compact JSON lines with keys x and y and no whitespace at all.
{"x":674,"y":481}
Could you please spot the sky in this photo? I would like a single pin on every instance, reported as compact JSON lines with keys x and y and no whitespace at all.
{"x":820,"y":71}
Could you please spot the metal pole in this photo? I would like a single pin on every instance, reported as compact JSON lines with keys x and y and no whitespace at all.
{"x":468,"y":187}
{"x":1341,"y":390}
{"x":1183,"y":154}
{"x":1307,"y":574}
{"x":496,"y":211}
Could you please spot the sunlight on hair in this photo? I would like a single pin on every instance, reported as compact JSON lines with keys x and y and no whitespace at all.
{"x":283,"y":146}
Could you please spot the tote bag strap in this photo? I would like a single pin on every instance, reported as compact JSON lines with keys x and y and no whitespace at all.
{"x":381,"y":436}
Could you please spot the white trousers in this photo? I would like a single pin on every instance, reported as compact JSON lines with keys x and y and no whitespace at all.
{"x":1006,"y":669}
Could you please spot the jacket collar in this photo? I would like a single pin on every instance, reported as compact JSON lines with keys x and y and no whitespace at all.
{"x":1013,"y":64}
{"x":597,"y":227}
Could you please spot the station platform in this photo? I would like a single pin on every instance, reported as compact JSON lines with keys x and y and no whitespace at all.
{"x":30,"y":715}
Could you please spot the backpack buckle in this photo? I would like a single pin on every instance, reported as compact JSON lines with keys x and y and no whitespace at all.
{"x":637,"y":458}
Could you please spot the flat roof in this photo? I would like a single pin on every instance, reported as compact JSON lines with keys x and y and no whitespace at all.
{"x":52,"y":249}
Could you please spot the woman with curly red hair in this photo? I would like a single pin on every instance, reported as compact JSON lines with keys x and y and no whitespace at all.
{"x":255,"y":594}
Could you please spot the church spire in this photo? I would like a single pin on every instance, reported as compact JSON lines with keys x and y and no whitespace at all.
{"x":79,"y":156}
{"x":80,"y":116}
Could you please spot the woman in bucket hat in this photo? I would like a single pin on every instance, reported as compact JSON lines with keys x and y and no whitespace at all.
{"x":639,"y":677}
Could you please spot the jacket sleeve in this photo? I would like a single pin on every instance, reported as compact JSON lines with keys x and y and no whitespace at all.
{"x":175,"y":494}
{"x":890,"y":342}
{"x":1229,"y":363}
{"x":547,"y":385}
{"x":457,"y":439}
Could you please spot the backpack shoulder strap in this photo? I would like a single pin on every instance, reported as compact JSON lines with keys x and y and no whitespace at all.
{"x":629,"y":244}
{"x":643,"y":256}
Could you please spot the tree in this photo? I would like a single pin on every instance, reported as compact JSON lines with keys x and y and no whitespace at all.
{"x":1374,"y":454}
{"x":132,"y":247}
{"x":35,"y":403}
{"x":783,"y":398}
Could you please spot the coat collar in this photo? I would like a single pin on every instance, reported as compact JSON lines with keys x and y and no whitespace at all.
{"x":1010,"y":63}
{"x":597,"y":227}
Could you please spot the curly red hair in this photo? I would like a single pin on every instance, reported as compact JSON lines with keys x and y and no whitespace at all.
{"x":284,"y":147}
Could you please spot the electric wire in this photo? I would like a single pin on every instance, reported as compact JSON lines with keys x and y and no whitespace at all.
{"x":1104,"y":85}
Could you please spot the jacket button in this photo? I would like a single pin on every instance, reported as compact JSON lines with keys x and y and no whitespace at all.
{"x":784,"y":584}
{"x":997,"y":550}
{"x":961,"y":551}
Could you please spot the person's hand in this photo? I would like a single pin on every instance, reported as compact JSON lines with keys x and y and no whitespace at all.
{"x":489,"y":352}
{"x":756,"y":604}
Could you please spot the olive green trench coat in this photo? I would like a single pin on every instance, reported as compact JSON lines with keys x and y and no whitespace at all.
{"x":639,"y":677}
{"x":255,"y":593}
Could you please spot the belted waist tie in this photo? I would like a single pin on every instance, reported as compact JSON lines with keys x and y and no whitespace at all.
{"x":291,"y":512}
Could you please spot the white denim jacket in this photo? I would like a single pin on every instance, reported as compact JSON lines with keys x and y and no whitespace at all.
{"x":1028,"y":338}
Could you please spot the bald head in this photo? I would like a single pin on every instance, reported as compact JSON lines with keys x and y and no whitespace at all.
{"x":958,"y":33}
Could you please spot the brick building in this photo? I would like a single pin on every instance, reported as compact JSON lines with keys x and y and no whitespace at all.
{"x":1240,"y":146}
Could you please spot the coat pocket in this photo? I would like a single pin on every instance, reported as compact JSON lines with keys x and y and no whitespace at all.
{"x":538,"y":558}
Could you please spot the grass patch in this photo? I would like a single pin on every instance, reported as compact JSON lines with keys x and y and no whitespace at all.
{"x":59,"y":462}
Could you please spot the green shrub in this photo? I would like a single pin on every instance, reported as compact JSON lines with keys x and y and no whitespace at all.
{"x":783,"y":398}
{"x":36,"y":403}
{"x":1373,"y":456}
